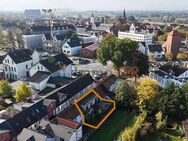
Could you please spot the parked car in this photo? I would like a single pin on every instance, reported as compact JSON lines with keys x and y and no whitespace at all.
{"x":44,"y":54}
{"x":84,"y":61}
{"x":75,"y":59}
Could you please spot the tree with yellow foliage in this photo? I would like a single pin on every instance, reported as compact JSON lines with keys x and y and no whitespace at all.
{"x":23,"y":92}
{"x":168,"y":56}
{"x":147,"y":91}
{"x":182,"y":56}
{"x":5,"y":89}
{"x":130,"y":134}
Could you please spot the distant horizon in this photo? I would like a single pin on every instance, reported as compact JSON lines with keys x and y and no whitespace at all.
{"x":71,"y":10}
{"x":99,"y":5}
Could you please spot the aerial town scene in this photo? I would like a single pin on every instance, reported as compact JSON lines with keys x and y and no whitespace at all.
{"x":93,"y":70}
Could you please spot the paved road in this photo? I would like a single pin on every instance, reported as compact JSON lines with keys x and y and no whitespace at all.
{"x":93,"y":66}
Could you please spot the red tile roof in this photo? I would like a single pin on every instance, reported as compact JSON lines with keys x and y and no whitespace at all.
{"x":70,"y":113}
{"x":68,"y":116}
{"x":92,"y":47}
{"x":69,"y":123}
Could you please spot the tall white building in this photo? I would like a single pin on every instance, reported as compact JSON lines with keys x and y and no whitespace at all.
{"x":17,"y":63}
{"x":135,"y":35}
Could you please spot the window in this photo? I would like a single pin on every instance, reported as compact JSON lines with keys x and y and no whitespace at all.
{"x":41,"y":68}
{"x":7,"y":76}
{"x":14,"y":69}
{"x":15,"y":76}
{"x":5,"y":68}
{"x":38,"y":68}
{"x":26,"y":66}
{"x":8,"y":61}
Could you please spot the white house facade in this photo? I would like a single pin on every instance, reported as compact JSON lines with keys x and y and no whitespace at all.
{"x":169,"y":73}
{"x":139,"y":36}
{"x":44,"y":69}
{"x":17,"y":63}
{"x":71,"y":50}
{"x":153,"y":49}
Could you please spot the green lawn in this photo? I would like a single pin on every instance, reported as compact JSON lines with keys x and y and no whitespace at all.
{"x":113,"y":126}
{"x":116,"y":123}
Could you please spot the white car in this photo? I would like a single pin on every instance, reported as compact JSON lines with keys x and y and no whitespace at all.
{"x":44,"y":54}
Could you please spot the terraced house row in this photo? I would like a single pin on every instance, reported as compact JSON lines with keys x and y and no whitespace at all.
{"x":53,"y":117}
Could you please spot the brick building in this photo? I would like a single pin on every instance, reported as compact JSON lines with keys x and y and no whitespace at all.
{"x":89,"y":51}
{"x":173,"y":43}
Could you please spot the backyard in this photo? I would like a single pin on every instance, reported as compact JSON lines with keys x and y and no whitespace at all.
{"x":111,"y":129}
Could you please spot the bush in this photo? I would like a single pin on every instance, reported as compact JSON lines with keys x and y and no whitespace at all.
{"x":146,"y":129}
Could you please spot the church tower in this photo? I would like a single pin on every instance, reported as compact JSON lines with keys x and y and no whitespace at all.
{"x":124,"y":14}
{"x":92,"y":19}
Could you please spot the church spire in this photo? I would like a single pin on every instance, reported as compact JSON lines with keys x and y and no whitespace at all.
{"x":124,"y":14}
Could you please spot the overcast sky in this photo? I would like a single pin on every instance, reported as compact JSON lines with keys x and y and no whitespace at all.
{"x":95,"y":4}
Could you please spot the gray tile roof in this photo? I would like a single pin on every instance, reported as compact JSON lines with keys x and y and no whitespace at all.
{"x":39,"y":77}
{"x":19,"y":56}
{"x":27,"y":134}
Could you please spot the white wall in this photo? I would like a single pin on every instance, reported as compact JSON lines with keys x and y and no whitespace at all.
{"x":21,"y":70}
{"x":66,"y":49}
{"x":39,"y":86}
{"x":67,"y":72}
{"x":37,"y":67}
{"x":35,"y":57}
{"x":139,"y":37}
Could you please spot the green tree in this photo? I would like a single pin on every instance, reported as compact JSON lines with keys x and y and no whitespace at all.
{"x":51,"y":59}
{"x":19,"y":40}
{"x":1,"y":21}
{"x":124,"y":27}
{"x":184,"y":89}
{"x":162,"y":37}
{"x":105,"y":51}
{"x":11,"y":37}
{"x":130,"y":134}
{"x":69,"y":34}
{"x":126,"y":94}
{"x":5,"y":88}
{"x":141,"y":61}
{"x":172,"y":102}
{"x":147,"y":91}
{"x":23,"y":92}
{"x":116,"y":50}
{"x":167,"y":29}
{"x":131,"y":19}
{"x":1,"y":36}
